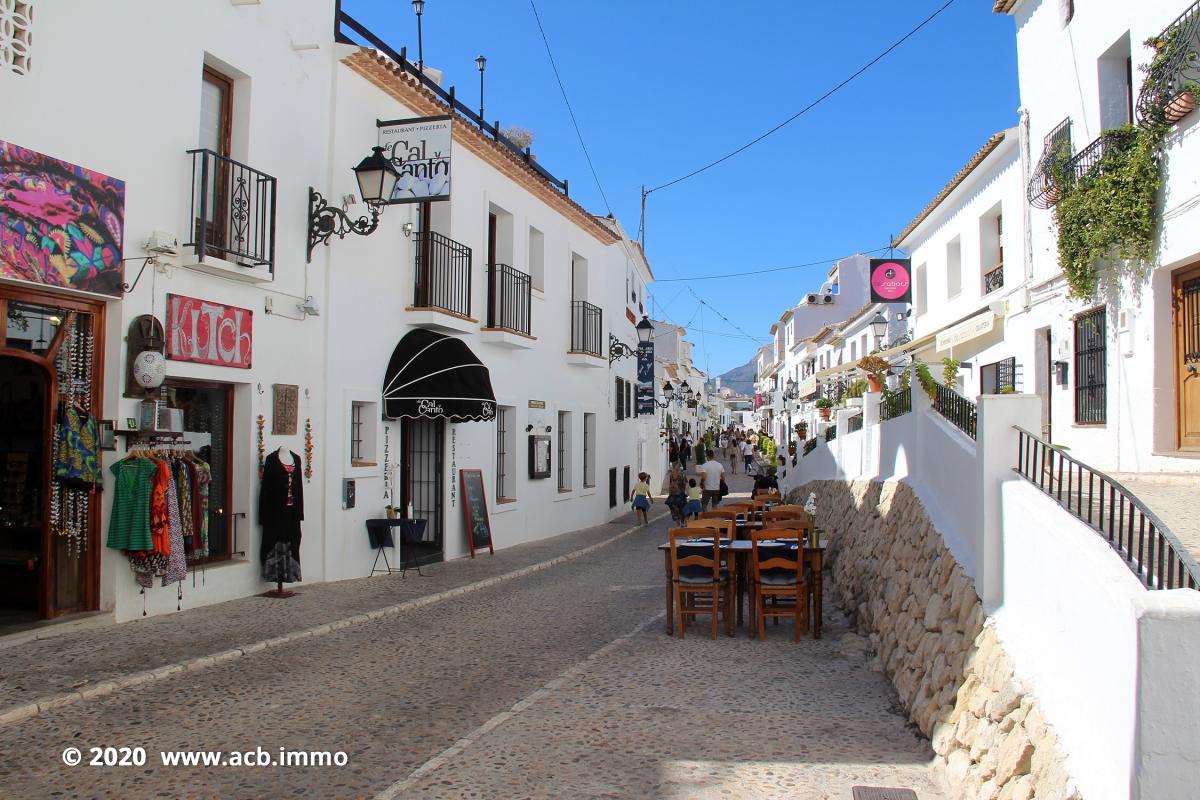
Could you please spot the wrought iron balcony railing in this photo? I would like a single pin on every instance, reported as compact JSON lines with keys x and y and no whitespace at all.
{"x":441,"y":274}
{"x":809,"y":446}
{"x":1149,"y":548}
{"x":895,"y":404}
{"x":957,"y":409}
{"x":1175,"y":65}
{"x":993,"y":279}
{"x":232,"y":211}
{"x":854,"y":424}
{"x":509,"y":299}
{"x":831,"y":433}
{"x":1043,"y":192}
{"x":1088,"y":162}
{"x":587,"y":325}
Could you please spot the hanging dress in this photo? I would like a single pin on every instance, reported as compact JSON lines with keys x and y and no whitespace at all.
{"x":280,"y":511}
{"x":129,"y":522}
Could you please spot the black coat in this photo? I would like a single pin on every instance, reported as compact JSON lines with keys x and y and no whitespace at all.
{"x":280,"y":522}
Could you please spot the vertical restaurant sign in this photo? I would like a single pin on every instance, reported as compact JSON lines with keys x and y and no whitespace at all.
{"x":891,"y":280}
{"x":419,"y":149}
{"x":645,"y":378}
{"x":60,"y":224}
{"x":208,"y":333}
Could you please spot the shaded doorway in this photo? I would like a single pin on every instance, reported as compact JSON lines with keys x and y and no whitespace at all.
{"x":422,"y":463}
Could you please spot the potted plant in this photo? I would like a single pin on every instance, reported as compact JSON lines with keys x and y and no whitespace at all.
{"x":1183,"y":103}
{"x":824,"y":406}
{"x":876,"y":368}
{"x":1163,"y":73}
{"x":802,"y":430}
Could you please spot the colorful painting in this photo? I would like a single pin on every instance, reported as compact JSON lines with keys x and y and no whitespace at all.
{"x":60,"y":224}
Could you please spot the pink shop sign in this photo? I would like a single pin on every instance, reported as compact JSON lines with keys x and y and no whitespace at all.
{"x":208,"y":333}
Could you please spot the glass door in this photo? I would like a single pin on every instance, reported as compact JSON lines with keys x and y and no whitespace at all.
{"x":422,"y":470}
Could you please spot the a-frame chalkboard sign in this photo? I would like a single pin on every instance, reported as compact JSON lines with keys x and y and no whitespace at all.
{"x":475,"y":514}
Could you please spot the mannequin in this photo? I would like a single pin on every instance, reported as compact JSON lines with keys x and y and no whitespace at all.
{"x":280,"y":511}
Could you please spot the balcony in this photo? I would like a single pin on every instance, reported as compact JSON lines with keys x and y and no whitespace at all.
{"x":510,"y":298}
{"x":441,"y":284}
{"x":1042,"y":191}
{"x":1168,"y":92}
{"x":1089,"y":161}
{"x":587,"y":326}
{"x":993,"y":279}
{"x":232,"y":217}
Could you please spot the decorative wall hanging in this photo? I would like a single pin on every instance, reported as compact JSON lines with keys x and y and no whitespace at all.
{"x":308,"y":449}
{"x":261,"y":422}
{"x":285,"y":409}
{"x":145,"y":367}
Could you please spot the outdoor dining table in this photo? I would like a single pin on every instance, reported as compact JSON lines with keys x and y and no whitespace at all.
{"x":736,"y":553}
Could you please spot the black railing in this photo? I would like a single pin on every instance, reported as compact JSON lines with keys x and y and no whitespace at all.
{"x":1176,"y":65}
{"x":1043,"y":192}
{"x":809,"y":446}
{"x":587,"y":324}
{"x":441,"y":274}
{"x":1088,"y":161}
{"x":1156,"y":557}
{"x":956,"y":408}
{"x":895,"y":404}
{"x":343,"y":22}
{"x":232,"y":213}
{"x":831,"y":433}
{"x":509,"y":298}
{"x":854,"y":424}
{"x":993,"y":279}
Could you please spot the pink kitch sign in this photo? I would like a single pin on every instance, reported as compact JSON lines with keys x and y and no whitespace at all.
{"x":208,"y":333}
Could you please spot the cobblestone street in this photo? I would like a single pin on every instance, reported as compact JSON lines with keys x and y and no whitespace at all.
{"x":556,"y":683}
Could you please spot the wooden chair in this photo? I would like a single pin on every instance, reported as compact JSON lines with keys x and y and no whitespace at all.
{"x":784,"y":524}
{"x":696,"y":571}
{"x":801,"y":516}
{"x":720,"y":513}
{"x":777,"y":572}
{"x":727,"y":527}
{"x":766,"y":493}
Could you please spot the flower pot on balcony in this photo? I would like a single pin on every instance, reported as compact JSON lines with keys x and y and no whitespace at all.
{"x":1180,"y":106}
{"x":873,"y":381}
{"x":824,"y":412}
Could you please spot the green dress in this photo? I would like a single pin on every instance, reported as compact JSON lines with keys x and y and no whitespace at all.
{"x":129,"y":525}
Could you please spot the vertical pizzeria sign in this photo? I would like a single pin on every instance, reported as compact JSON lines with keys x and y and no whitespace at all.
{"x":419,"y":149}
{"x":208,"y":333}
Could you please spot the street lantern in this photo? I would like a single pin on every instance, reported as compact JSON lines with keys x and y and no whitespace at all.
{"x":879,"y":325}
{"x":686,"y":390}
{"x":376,"y":178}
{"x":645,"y":330}
{"x":481,"y":62}
{"x":419,"y":7}
{"x":790,"y":392}
{"x":668,"y":391}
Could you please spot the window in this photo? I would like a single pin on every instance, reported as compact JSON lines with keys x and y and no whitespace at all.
{"x":954,"y":268}
{"x":612,"y":487}
{"x":564,"y":451}
{"x":991,"y":250}
{"x":1114,"y":74}
{"x":506,"y":451}
{"x":1091,"y":368}
{"x":630,"y":411}
{"x":625,"y":485}
{"x":364,"y":426}
{"x":589,"y":451}
{"x":537,"y":258}
{"x":998,"y":378}
{"x":216,"y":115}
{"x":620,"y":399}
{"x":920,"y":281}
{"x":853,"y":349}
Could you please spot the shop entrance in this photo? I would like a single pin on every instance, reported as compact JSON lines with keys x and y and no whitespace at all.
{"x":1186,"y":303}
{"x":49,"y":540}
{"x":422,"y":468}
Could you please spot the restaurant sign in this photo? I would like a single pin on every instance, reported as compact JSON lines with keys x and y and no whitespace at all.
{"x":966,"y":331}
{"x":208,"y":333}
{"x":891,"y":280}
{"x":419,"y":149}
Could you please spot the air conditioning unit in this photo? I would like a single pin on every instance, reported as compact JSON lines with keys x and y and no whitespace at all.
{"x":827,"y":299}
{"x":811,"y":300}
{"x":163,"y":244}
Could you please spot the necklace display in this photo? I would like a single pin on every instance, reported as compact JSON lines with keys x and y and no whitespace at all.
{"x":70,"y":507}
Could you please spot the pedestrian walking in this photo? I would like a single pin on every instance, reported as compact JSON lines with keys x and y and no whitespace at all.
{"x":731,"y":453}
{"x":641,"y":498}
{"x":677,"y":493}
{"x":747,"y":454}
{"x":683,"y":452}
{"x":694,"y":495}
{"x":711,"y":474}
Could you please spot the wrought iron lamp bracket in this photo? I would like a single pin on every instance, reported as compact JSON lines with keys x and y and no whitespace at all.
{"x":618,"y":349}
{"x":325,"y":221}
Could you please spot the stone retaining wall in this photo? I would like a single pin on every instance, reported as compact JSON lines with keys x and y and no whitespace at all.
{"x":901,"y":587}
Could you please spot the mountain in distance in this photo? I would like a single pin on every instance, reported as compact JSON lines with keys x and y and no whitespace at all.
{"x":740,"y":379}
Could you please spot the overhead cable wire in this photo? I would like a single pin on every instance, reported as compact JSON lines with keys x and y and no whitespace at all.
{"x":808,"y":107}
{"x":727,"y":320}
{"x":765,"y":270}
{"x":570,"y":110}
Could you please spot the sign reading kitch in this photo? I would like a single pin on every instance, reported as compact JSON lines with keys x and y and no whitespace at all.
{"x":419,"y":149}
{"x":208,"y":333}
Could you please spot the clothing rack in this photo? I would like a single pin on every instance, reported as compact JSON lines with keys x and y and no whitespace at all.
{"x":151,"y":438}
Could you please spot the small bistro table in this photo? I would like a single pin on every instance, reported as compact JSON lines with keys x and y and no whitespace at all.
{"x":739,"y":550}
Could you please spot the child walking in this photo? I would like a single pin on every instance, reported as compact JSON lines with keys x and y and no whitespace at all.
{"x":641,"y":498}
{"x":694,"y":493}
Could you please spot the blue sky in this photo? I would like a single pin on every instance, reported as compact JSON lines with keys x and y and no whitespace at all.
{"x":661,"y":87}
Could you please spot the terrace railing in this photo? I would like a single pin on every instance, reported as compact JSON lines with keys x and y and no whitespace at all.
{"x":510,"y":298}
{"x":1149,"y":548}
{"x":1087,"y":162}
{"x":957,"y":409}
{"x":232,"y":211}
{"x":895,"y":404}
{"x":587,"y":324}
{"x":993,"y":279}
{"x":1177,"y":64}
{"x":854,"y":424}
{"x":831,"y":433}
{"x":809,"y":446}
{"x":442,"y":274}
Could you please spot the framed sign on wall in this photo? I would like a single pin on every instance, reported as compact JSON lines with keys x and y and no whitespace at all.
{"x":539,"y":456}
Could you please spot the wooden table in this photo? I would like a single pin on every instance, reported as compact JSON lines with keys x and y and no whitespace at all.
{"x":739,"y":550}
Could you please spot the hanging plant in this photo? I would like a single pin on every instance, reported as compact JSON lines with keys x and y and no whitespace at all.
{"x":949,"y":371}
{"x":925,"y":378}
{"x":1109,"y":215}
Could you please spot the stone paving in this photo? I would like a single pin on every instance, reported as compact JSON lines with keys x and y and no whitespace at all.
{"x":1170,"y":497}
{"x":559,"y":683}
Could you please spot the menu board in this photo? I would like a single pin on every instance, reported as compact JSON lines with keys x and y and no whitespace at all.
{"x":475,"y":514}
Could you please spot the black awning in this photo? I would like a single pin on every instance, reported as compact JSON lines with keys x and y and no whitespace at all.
{"x":436,"y":376}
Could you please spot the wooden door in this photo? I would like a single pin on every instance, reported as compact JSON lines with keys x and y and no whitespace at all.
{"x":1186,"y":305}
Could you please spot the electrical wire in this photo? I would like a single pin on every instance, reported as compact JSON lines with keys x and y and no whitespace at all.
{"x":727,"y":320}
{"x":570,"y":110}
{"x":808,"y":107}
{"x":765,"y":270}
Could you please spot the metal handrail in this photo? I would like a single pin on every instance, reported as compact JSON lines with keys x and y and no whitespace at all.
{"x":509,"y":298}
{"x":993,"y":279}
{"x":232,"y":211}
{"x":1086,"y":162}
{"x":1167,"y":75}
{"x":809,"y":446}
{"x":587,"y":326}
{"x":956,"y":409}
{"x":342,"y":19}
{"x":441,"y":273}
{"x":895,"y":404}
{"x":1160,"y":561}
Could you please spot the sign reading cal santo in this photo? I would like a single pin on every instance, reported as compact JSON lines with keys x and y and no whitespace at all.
{"x":208,"y":333}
